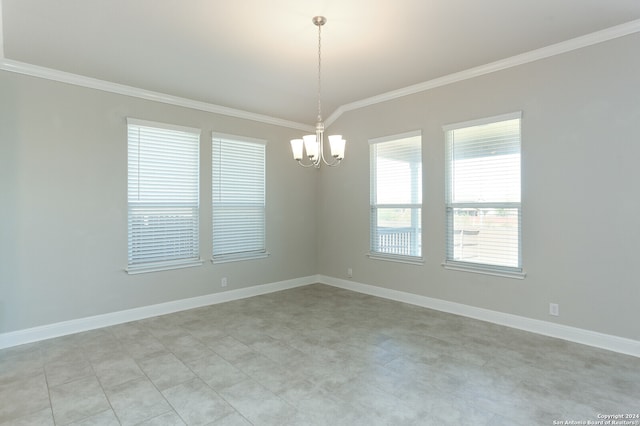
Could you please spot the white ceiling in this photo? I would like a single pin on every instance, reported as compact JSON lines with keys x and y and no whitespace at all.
{"x":261,"y":56}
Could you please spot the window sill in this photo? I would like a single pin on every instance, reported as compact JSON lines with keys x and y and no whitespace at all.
{"x":486,"y":270}
{"x":411,"y":260}
{"x":162,"y":266}
{"x":239,"y":257}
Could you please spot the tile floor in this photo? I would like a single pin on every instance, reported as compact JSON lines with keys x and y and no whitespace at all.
{"x":314,"y":355}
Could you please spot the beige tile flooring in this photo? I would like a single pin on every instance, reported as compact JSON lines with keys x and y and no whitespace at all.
{"x":314,"y":355}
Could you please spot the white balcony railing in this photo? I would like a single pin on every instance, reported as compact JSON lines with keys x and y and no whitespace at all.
{"x":399,"y":241}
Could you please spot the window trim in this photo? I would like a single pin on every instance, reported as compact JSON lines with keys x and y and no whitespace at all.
{"x":174,"y":263}
{"x":162,"y":266}
{"x":486,"y":269}
{"x":242,"y":256}
{"x":496,"y":271}
{"x":159,"y":125}
{"x":399,"y":258}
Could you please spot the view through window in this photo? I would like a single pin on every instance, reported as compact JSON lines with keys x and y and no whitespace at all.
{"x":396,"y":195}
{"x":483,"y":193}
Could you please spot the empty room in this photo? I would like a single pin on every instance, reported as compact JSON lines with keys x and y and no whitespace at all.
{"x":420,"y":212}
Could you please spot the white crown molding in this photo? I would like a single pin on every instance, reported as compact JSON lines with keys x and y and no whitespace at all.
{"x":572,"y":334}
{"x":64,"y":328}
{"x":107,"y":86}
{"x":607,"y":34}
{"x":524,"y":58}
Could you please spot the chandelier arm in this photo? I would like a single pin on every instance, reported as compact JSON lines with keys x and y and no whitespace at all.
{"x":334,"y":163}
{"x":300,"y":163}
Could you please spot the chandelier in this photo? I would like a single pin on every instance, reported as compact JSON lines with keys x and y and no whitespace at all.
{"x":313,"y":145}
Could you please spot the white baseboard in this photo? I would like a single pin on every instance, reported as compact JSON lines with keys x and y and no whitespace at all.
{"x":572,"y":334}
{"x":15,"y":338}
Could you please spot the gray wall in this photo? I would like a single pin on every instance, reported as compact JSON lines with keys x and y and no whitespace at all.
{"x":580,"y":177}
{"x":63,"y":237}
{"x":63,"y":206}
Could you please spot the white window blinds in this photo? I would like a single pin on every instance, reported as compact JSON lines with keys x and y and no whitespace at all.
{"x":163,"y":167}
{"x":238,"y":198}
{"x":396,"y":196}
{"x":483,"y":194}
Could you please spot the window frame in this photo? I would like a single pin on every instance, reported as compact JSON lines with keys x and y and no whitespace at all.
{"x":374,"y":206}
{"x":482,"y":268}
{"x":249,"y":254}
{"x":141,"y":266}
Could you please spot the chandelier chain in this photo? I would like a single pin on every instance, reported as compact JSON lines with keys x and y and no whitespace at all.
{"x":319,"y":71}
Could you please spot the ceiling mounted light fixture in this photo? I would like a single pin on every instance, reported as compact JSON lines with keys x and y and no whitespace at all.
{"x":314,"y":144}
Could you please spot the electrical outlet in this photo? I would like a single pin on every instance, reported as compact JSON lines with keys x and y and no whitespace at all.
{"x":350,"y":272}
{"x":223,"y":282}
{"x":554,"y":309}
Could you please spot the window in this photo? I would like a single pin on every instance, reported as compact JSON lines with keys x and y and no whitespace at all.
{"x":396,"y":197}
{"x":163,"y":197}
{"x":483,"y":196}
{"x":238,"y":177}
